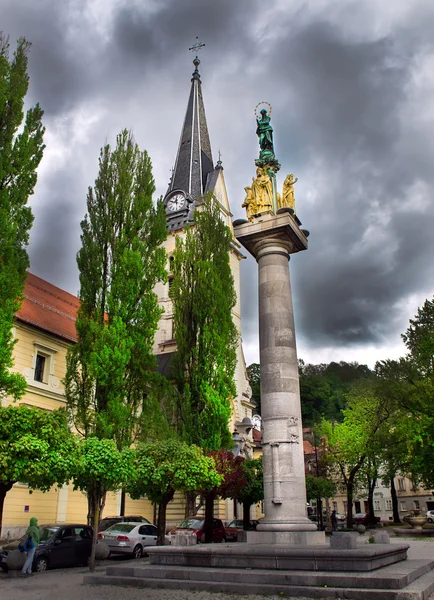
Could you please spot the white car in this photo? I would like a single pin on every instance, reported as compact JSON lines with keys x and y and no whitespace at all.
{"x":129,"y":538}
{"x":430,"y":516}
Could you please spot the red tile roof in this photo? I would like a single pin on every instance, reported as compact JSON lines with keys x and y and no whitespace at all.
{"x":307,"y":447}
{"x":49,"y":308}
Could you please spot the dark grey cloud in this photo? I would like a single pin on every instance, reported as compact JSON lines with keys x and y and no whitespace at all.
{"x":351,"y":89}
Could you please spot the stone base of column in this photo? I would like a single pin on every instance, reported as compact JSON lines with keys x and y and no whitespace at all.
{"x":289,"y":538}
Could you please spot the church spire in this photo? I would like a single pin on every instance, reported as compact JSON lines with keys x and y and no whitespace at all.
{"x":194,"y":160}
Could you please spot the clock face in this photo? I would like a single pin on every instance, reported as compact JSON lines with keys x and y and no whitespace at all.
{"x":176,"y":202}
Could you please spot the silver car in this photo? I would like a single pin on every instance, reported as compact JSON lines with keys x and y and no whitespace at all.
{"x":129,"y":538}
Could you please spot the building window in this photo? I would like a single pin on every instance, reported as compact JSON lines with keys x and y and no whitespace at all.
{"x":376,"y":505}
{"x":402,"y":506}
{"x":345,"y":507}
{"x":335,"y":506}
{"x":40,"y":368}
{"x":401,"y":485}
{"x":388,"y":504}
{"x":170,"y":282}
{"x":416,"y":504}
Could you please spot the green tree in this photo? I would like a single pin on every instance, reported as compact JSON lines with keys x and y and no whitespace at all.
{"x":36,"y":447}
{"x":203,"y":297}
{"x":349,"y":444}
{"x":409,"y":383}
{"x":324,"y":389}
{"x":111,"y":369}
{"x":252,"y":490}
{"x":101,"y":468}
{"x":319,"y":487}
{"x":254,"y":375}
{"x":166,"y":467}
{"x":20,"y":155}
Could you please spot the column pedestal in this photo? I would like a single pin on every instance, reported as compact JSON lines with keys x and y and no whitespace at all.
{"x":271,"y":239}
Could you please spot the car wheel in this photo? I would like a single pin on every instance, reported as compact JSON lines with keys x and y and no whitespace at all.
{"x":41,"y":564}
{"x":137,"y":552}
{"x":430,"y":520}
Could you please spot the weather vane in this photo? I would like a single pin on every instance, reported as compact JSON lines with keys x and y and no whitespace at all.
{"x":197,"y":46}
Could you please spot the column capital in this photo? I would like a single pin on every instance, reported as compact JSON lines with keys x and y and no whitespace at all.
{"x":271,"y":234}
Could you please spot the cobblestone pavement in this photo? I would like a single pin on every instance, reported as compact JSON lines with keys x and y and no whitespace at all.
{"x":66,"y":584}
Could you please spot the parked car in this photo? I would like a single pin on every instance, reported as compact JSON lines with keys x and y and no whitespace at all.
{"x":364,"y":519}
{"x":109,"y":521}
{"x":430,"y":516}
{"x":197,"y":525}
{"x":63,"y":546}
{"x":129,"y":538}
{"x":235,"y":526}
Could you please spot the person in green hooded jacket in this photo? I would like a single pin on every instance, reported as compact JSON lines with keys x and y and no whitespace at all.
{"x":32,"y":533}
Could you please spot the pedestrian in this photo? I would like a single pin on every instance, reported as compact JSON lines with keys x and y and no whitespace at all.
{"x":30,"y":545}
{"x":334,"y":521}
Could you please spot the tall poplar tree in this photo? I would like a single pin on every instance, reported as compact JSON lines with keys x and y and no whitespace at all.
{"x":111,"y":368}
{"x":20,"y":155}
{"x":203,"y":296}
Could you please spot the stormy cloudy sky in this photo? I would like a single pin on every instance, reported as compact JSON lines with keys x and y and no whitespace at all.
{"x":351,"y":83}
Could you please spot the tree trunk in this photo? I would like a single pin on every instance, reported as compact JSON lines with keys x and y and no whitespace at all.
{"x":94,"y":499}
{"x":161,"y":519}
{"x":371,"y":509}
{"x":190,"y":504}
{"x":319,"y":517}
{"x":246,"y":515}
{"x":350,"y":491}
{"x":209,"y":516}
{"x":394,"y":496}
{"x":4,"y":489}
{"x":122,"y":508}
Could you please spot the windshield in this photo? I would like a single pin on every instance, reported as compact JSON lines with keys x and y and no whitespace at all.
{"x":121,"y":527}
{"x":191,"y":524}
{"x":236,"y":523}
{"x":47,"y":532}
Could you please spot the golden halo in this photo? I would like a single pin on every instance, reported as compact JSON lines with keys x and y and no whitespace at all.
{"x":270,"y":108}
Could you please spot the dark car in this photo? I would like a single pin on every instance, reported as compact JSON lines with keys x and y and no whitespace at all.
{"x":197,"y":525}
{"x":365,"y":519}
{"x":63,"y":546}
{"x":235,"y":526}
{"x":109,"y":521}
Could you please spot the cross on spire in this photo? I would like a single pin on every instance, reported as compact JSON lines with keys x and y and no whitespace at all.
{"x":197,"y":46}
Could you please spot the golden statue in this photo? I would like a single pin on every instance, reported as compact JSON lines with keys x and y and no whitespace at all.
{"x":259,"y":197}
{"x":288,"y":192}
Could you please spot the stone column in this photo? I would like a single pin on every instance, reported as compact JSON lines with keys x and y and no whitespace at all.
{"x":271,"y":240}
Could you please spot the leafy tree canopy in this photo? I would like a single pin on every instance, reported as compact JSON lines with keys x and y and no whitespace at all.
{"x":319,"y":487}
{"x":111,"y":369}
{"x":203,"y":296}
{"x":324,"y":389}
{"x":169,"y":466}
{"x":36,"y":447}
{"x":20,"y":155}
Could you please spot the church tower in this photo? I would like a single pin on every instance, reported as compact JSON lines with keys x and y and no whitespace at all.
{"x":195,"y":174}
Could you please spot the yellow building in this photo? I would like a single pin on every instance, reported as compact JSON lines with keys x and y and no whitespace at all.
{"x":44,"y":328}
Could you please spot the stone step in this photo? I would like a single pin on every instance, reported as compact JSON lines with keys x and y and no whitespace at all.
{"x":393,"y":577}
{"x":417,"y":590}
{"x":280,"y":556}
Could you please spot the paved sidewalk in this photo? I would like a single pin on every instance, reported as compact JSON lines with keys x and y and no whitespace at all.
{"x":66,"y":584}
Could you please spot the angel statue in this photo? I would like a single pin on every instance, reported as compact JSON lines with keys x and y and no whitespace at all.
{"x":288,"y":192}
